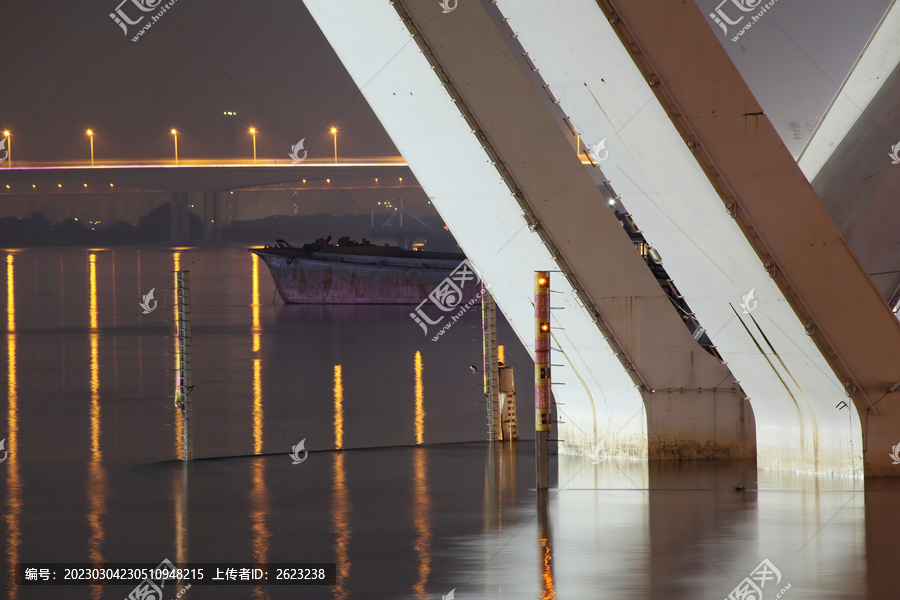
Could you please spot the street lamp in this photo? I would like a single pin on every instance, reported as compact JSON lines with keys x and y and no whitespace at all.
{"x":334,"y":133}
{"x":175,"y":133}
{"x":6,"y":134}
{"x":253,"y":133}
{"x":91,"y":136}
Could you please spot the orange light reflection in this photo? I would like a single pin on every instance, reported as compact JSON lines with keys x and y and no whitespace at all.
{"x":338,"y":407}
{"x":14,"y":489}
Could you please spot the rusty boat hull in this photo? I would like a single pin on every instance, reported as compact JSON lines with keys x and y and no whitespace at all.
{"x":358,"y":275}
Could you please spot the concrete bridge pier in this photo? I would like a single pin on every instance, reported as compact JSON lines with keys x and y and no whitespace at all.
{"x":209,"y":206}
{"x":213,"y":211}
{"x":179,"y":217}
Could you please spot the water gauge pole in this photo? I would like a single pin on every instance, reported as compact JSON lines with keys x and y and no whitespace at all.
{"x":183,"y":387}
{"x":542,"y":414}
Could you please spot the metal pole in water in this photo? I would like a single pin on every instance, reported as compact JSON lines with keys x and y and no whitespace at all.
{"x":489,"y":351}
{"x":542,"y":414}
{"x":184,"y":389}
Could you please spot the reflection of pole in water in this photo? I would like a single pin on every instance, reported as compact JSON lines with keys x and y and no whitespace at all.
{"x":11,"y":464}
{"x":422,"y":521}
{"x":180,"y":494}
{"x":548,"y":591}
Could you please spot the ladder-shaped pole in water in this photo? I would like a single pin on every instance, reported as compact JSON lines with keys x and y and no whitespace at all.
{"x":183,"y":388}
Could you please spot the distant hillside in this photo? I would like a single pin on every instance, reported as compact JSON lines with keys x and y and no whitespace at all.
{"x":153,"y":228}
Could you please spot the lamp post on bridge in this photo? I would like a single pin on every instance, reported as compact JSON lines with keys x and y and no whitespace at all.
{"x":7,"y":135}
{"x":253,"y":133}
{"x":334,"y":133}
{"x":175,"y":133}
{"x":91,"y":137}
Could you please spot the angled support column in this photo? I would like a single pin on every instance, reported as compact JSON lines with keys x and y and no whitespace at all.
{"x":515,"y":194}
{"x":711,"y":185}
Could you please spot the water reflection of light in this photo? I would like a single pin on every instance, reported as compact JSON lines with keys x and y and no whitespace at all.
{"x":13,"y":477}
{"x":257,"y":407}
{"x":259,"y":543}
{"x":420,"y":400}
{"x":10,"y":294}
{"x":257,"y":364}
{"x":340,"y":513}
{"x":96,"y":485}
{"x":338,"y":408}
{"x":255,"y":304}
{"x":93,"y":299}
{"x":422,"y":521}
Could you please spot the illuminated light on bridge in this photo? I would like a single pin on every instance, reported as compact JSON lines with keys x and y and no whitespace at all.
{"x":334,"y":133}
{"x":8,"y":137}
{"x":175,"y":133}
{"x":91,"y":137}
{"x":253,"y":133}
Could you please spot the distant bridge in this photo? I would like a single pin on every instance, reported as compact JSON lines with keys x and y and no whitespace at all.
{"x":202,"y":184}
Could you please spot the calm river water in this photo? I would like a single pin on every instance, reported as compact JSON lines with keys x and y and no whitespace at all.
{"x":398,"y":489}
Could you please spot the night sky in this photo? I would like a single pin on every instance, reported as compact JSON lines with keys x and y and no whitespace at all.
{"x":66,"y":67}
